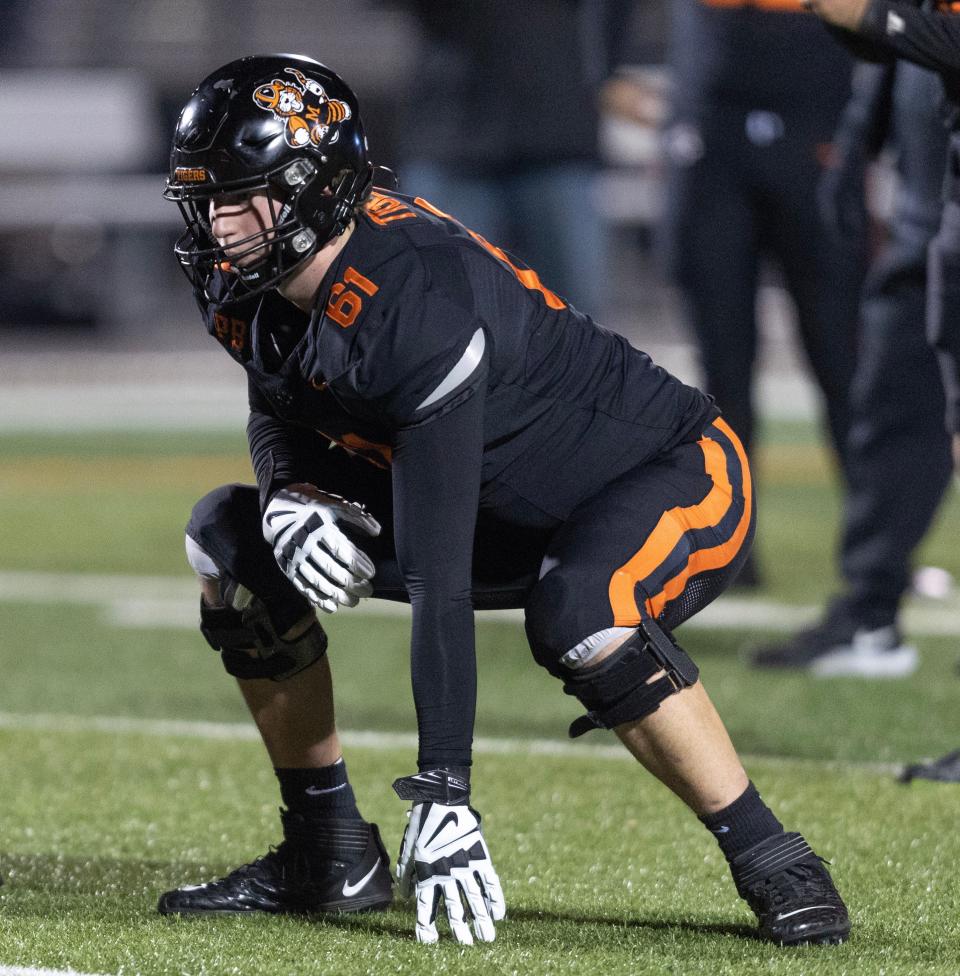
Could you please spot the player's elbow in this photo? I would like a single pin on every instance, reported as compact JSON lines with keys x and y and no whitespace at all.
{"x":438,"y":595}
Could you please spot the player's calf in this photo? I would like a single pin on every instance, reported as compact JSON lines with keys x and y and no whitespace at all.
{"x":623,"y":680}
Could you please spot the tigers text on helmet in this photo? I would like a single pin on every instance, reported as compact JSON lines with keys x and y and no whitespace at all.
{"x":280,"y":123}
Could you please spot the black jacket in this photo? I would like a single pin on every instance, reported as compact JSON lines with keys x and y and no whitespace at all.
{"x":928,"y":35}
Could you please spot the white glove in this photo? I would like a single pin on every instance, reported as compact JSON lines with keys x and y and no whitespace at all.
{"x":443,"y":855}
{"x":301,"y":524}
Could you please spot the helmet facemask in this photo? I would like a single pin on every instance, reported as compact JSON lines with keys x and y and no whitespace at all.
{"x":281,"y":248}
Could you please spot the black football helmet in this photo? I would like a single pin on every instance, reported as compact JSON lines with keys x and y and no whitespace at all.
{"x":281,"y":123}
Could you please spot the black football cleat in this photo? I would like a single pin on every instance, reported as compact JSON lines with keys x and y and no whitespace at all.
{"x":791,"y":893}
{"x":945,"y":770}
{"x":342,"y":867}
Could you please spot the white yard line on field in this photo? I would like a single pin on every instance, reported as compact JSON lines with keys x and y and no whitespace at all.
{"x":243,"y":732}
{"x":30,"y":971}
{"x":368,"y":739}
{"x":166,"y":602}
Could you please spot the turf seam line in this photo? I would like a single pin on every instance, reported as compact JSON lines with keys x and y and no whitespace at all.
{"x":30,"y":971}
{"x":370,"y":739}
{"x":169,"y":602}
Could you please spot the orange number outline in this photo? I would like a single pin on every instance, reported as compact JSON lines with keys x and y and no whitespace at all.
{"x":526,"y":276}
{"x":345,"y":304}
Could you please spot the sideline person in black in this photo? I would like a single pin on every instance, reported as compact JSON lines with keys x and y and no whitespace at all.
{"x":499,"y":449}
{"x":896,"y":397}
{"x":757,"y":91}
{"x":501,"y":120}
{"x":927,"y":35}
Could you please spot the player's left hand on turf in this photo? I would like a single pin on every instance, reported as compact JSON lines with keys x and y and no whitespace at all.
{"x":303,"y":526}
{"x":444,"y":860}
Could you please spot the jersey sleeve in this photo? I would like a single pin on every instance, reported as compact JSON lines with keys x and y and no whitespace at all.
{"x":865,"y":121}
{"x":943,"y":308}
{"x":926,"y":37}
{"x":281,"y":453}
{"x":427,"y":354}
{"x":436,"y":488}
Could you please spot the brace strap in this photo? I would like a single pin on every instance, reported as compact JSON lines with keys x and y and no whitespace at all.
{"x":768,"y":857}
{"x":235,"y":633}
{"x":620,"y":690}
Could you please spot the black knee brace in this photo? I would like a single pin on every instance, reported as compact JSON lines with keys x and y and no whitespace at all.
{"x":619,"y":690}
{"x":243,"y":625}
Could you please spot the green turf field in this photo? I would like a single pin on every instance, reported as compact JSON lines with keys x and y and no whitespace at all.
{"x":604,"y":872}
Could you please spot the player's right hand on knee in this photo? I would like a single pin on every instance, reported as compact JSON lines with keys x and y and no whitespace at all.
{"x":302,"y":524}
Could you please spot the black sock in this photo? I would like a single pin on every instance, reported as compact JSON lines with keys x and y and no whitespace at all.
{"x":747,"y":821}
{"x":319,"y":794}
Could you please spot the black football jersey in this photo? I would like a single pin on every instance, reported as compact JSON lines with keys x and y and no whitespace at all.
{"x":435,"y":354}
{"x":419,"y":313}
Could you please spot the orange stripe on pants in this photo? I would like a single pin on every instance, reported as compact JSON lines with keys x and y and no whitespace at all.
{"x":670,"y":529}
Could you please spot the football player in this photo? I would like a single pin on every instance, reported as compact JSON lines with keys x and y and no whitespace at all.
{"x":499,"y":449}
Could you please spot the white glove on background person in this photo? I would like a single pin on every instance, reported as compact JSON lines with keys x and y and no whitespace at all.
{"x":443,"y":856}
{"x":301,"y":523}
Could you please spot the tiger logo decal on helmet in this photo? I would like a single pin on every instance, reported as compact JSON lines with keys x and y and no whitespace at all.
{"x":306,"y":111}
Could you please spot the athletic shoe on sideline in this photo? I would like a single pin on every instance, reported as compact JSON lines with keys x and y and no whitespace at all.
{"x":943,"y":770}
{"x":839,"y":647}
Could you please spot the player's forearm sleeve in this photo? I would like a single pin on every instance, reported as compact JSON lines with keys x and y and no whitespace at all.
{"x":926,"y":37}
{"x":943,"y":307}
{"x":436,"y":488}
{"x":278,"y":450}
{"x":865,"y":119}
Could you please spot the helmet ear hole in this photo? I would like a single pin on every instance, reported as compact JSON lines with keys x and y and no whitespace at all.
{"x":299,"y":173}
{"x":303,"y":241}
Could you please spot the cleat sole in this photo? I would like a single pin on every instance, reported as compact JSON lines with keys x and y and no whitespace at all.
{"x":375,"y":903}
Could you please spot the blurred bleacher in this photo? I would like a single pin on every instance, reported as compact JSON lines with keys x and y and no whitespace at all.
{"x":92,"y":304}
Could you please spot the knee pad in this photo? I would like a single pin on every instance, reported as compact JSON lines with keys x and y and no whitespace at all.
{"x":246,"y":633}
{"x":619,"y":689}
{"x":248,"y":641}
{"x":200,"y":562}
{"x":224,"y":529}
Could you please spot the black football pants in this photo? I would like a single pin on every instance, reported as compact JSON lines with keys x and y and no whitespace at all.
{"x":898,"y":452}
{"x":737,"y":202}
{"x":662,"y":540}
